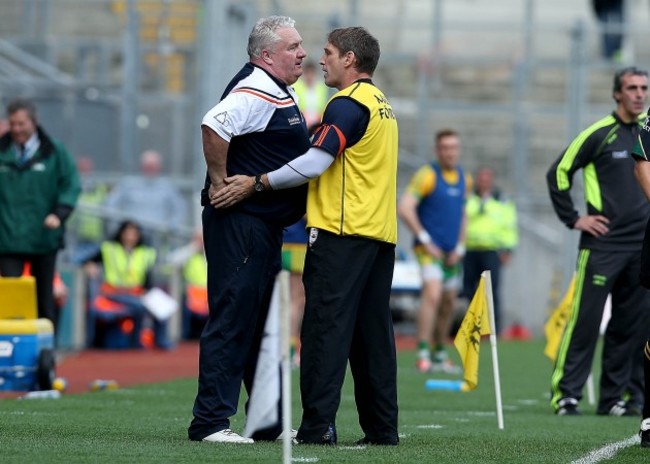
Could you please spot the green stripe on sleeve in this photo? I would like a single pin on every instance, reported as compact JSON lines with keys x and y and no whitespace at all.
{"x":562,"y":177}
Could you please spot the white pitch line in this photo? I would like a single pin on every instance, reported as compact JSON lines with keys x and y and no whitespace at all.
{"x":608,"y":451}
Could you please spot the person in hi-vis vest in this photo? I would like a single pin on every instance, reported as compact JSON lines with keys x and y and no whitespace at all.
{"x":127,"y":267}
{"x":490,"y":237}
{"x":190,"y":259}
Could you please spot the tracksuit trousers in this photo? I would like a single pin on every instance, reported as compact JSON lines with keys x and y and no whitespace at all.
{"x":474,"y":263}
{"x":347,"y":317}
{"x":243,"y":255}
{"x":600,"y":273}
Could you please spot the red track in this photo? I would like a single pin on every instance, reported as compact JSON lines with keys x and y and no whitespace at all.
{"x":134,"y":367}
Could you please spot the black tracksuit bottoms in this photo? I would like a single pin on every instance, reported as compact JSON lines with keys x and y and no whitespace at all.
{"x":347,"y":317}
{"x":243,"y":255}
{"x":600,"y":273}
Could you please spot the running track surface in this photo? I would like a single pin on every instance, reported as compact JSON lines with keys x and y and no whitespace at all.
{"x":135,"y":367}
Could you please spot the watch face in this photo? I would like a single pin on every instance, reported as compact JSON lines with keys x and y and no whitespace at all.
{"x":259,"y":186}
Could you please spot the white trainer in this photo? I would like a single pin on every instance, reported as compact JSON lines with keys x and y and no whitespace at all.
{"x":227,"y":436}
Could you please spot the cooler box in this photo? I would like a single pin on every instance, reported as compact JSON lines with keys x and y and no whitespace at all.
{"x":26,"y":354}
{"x":26,"y":343}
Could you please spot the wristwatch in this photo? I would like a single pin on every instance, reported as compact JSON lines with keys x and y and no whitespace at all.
{"x":259,"y":186}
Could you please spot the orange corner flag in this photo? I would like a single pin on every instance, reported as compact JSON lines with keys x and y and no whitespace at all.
{"x":468,"y":339}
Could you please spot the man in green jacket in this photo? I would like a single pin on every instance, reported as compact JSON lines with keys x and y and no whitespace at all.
{"x":39,"y":187}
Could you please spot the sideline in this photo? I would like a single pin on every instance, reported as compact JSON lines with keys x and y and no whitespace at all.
{"x":608,"y":451}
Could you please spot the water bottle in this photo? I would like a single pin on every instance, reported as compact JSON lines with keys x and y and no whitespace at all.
{"x":42,"y":394}
{"x":98,"y":385}
{"x":449,"y":385}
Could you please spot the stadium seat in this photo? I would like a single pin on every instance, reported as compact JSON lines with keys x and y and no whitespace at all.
{"x":175,"y":23}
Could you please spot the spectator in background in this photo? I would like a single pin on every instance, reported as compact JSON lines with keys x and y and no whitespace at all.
{"x":127,"y":264}
{"x":490,"y":237}
{"x":610,"y":15}
{"x":150,"y":197}
{"x":611,"y":237}
{"x":39,"y":187}
{"x":191,"y":259}
{"x":433,"y":209}
{"x":88,"y":227}
{"x":312,"y":95}
{"x":312,"y":98}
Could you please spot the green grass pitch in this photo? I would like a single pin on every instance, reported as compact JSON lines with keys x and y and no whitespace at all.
{"x":148,"y":424}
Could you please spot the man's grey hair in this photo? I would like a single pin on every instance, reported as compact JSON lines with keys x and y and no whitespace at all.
{"x":264,"y":34}
{"x":22,"y":104}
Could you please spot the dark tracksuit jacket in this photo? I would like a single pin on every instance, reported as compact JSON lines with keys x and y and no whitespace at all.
{"x":606,"y":264}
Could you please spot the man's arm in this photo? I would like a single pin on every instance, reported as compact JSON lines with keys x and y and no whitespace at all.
{"x":640,"y":155}
{"x":407,"y":211}
{"x":301,"y":170}
{"x":642,"y":173}
{"x":215,"y":151}
{"x":456,"y":255}
{"x":560,"y":179}
{"x":344,"y":123}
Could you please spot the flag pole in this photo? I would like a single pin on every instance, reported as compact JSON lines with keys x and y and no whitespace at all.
{"x":493,"y":344}
{"x":591,"y":395}
{"x":285,"y":324}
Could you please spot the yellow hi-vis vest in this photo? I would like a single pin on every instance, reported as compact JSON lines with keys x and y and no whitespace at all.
{"x":491,"y":224}
{"x":311,"y":101}
{"x":195,"y":271}
{"x":126,"y":270}
{"x":357,"y":194}
{"x":89,"y":226}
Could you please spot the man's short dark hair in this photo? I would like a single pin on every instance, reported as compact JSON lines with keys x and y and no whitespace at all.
{"x":22,"y":104}
{"x":360,"y":42}
{"x":618,"y":84}
{"x":442,"y":133}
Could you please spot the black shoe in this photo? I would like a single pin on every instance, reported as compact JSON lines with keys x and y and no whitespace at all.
{"x":567,"y":407}
{"x":328,"y":438}
{"x":645,"y":433}
{"x":633,"y":409}
{"x":381,"y":442}
{"x":621,"y":408}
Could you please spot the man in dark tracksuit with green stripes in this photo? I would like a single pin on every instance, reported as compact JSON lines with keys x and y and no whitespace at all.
{"x":609,"y":256}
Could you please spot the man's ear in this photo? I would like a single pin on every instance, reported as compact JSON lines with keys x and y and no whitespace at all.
{"x":350,"y":58}
{"x":266,"y":57}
